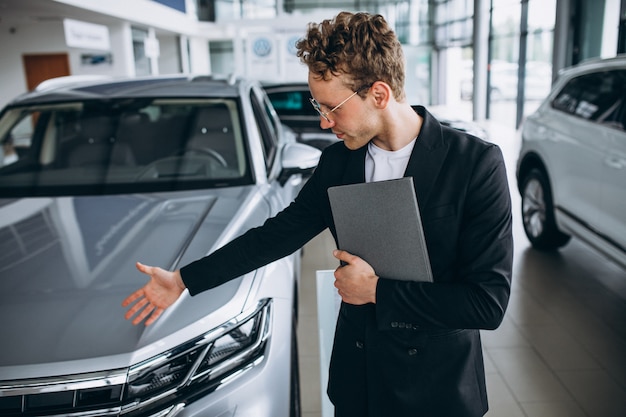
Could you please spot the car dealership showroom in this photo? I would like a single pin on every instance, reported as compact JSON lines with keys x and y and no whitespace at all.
{"x":140,"y":136}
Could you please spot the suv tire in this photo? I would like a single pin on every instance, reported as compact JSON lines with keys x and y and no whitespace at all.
{"x":538,"y":213}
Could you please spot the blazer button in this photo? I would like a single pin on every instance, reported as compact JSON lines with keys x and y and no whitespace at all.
{"x":359,"y":344}
{"x":394,"y":324}
{"x":412,"y":352}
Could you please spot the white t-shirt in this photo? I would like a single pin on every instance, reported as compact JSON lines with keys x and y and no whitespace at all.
{"x":381,"y":165}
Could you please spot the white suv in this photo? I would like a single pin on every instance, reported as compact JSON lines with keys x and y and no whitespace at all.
{"x":571,"y":171}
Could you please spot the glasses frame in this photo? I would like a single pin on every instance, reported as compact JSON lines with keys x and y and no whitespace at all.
{"x":318,"y":107}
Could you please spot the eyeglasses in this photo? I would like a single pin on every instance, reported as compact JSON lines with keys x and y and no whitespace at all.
{"x":318,"y":107}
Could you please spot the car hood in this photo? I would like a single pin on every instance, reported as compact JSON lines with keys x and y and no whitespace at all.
{"x":67,"y":263}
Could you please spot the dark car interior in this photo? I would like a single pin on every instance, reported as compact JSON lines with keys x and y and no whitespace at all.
{"x":175,"y":142}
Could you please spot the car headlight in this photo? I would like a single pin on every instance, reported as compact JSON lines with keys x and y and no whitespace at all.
{"x":202,"y":363}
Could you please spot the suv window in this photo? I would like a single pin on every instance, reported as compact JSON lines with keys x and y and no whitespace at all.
{"x":598,"y":97}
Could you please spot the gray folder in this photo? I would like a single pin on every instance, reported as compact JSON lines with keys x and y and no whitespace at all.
{"x":380,"y":222}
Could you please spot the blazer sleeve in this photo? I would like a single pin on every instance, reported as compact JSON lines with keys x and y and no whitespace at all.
{"x":279,"y":236}
{"x":472,"y":253}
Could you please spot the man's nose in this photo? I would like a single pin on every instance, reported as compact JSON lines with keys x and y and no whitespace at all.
{"x":326,"y":124}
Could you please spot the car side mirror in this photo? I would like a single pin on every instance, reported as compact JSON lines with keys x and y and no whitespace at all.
{"x":298,"y":158}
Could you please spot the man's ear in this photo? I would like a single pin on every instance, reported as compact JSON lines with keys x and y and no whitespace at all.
{"x":381,"y":92}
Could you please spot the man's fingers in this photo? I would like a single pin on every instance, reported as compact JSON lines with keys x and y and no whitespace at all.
{"x":144,"y":268}
{"x":155,"y":315}
{"x":144,"y":308}
{"x":342,"y":255}
{"x":144,"y":313}
{"x":134,"y":309}
{"x":137,"y":294}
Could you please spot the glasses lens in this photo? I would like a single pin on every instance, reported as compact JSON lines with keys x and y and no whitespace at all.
{"x":317,"y":107}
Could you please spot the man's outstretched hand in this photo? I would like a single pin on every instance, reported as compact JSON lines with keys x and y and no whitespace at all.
{"x":159,"y":293}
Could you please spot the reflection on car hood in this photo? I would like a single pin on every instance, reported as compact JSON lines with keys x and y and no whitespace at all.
{"x":67,"y":263}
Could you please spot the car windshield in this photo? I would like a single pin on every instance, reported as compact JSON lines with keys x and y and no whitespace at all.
{"x":120,"y":146}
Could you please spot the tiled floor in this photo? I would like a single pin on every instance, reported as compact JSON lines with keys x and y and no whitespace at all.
{"x":561,"y":350}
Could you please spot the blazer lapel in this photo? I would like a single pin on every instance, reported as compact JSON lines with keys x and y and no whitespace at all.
{"x":424,"y":164}
{"x":427,"y":157}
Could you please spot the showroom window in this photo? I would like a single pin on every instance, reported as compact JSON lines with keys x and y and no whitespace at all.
{"x":453,"y":22}
{"x":142,"y":62}
{"x":222,"y":10}
{"x":222,"y":57}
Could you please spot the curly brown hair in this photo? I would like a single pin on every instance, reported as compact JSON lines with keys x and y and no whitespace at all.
{"x":360,"y":45}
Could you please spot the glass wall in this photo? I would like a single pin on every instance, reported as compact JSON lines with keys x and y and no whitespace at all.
{"x":539,"y":46}
{"x":522,"y":35}
{"x":222,"y":56}
{"x":589,"y":35}
{"x":453,"y":27}
{"x":504,"y":56}
{"x":437,"y":36}
{"x":414,"y":30}
{"x":224,"y":10}
{"x":453,"y":22}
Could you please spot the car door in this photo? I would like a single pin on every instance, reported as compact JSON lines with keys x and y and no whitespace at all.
{"x":575,"y":150}
{"x":267,"y":122}
{"x":613,"y":190}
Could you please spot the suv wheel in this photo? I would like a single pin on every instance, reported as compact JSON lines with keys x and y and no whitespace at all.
{"x":538,"y":213}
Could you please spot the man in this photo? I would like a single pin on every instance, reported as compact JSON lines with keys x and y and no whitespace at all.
{"x":402,"y":348}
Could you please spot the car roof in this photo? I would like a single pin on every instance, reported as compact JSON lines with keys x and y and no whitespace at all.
{"x":595,"y":64}
{"x":174,"y":86}
{"x":275,"y":86}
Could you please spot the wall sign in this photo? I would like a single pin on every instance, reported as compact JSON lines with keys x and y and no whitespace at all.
{"x":86,"y":35}
{"x":262,"y":58}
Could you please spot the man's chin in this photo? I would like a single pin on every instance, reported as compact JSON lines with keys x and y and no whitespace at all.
{"x":353,"y":145}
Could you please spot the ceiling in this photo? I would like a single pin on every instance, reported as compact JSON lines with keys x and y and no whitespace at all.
{"x":17,"y":12}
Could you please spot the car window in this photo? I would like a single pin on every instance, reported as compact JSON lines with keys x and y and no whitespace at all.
{"x":292,"y":103}
{"x":285,"y":101}
{"x":267,"y":129}
{"x":598,"y":97}
{"x":17,"y":142}
{"x":129,"y":145}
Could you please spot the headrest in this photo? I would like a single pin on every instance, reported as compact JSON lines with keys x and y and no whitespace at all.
{"x":97,"y":128}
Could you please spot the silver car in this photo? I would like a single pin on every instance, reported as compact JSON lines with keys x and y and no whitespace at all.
{"x":571,"y":170}
{"x":97,"y":175}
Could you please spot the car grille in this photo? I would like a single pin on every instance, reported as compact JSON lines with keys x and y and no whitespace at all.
{"x":77,"y":395}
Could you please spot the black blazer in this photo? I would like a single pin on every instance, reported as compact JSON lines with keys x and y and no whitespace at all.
{"x":417,"y":351}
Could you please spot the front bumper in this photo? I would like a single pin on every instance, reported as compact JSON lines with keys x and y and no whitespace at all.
{"x":259,"y":384}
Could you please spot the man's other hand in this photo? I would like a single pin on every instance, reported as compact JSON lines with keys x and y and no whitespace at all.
{"x":356,"y":280}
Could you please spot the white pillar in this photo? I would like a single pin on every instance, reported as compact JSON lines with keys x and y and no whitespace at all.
{"x":127,"y":52}
{"x":152,"y":51}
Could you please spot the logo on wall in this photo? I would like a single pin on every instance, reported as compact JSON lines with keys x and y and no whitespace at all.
{"x":262,"y":47}
{"x":291,"y":45}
